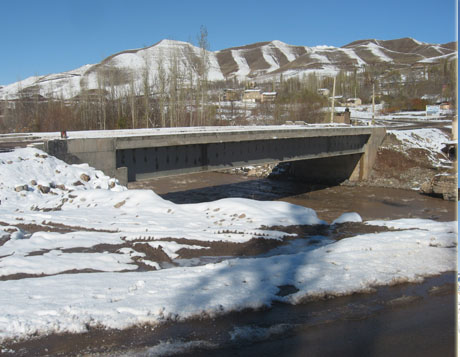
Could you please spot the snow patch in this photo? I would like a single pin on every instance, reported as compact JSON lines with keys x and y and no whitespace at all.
{"x":348,"y":217}
{"x":377,"y":51}
{"x":286,"y":50}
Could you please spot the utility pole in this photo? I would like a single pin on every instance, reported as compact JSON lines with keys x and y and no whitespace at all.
{"x":373,"y":103}
{"x":333,"y":100}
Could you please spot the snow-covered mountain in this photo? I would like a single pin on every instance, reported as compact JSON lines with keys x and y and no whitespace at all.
{"x":263,"y":61}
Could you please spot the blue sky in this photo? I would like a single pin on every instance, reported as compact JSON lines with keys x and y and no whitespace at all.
{"x":49,"y":36}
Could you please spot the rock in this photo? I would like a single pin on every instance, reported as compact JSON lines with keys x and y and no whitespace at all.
{"x":77,"y":183}
{"x":33,"y":183}
{"x":426,"y":188}
{"x":85,"y":177}
{"x":444,"y":185}
{"x":119,"y":204}
{"x":61,"y":187}
{"x":21,"y":188}
{"x":44,"y":189}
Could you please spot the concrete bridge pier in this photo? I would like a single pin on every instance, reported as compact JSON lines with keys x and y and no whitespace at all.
{"x":336,"y":169}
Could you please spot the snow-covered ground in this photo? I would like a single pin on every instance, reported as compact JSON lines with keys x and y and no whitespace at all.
{"x":364,"y":113}
{"x":431,"y":140}
{"x":86,"y":272}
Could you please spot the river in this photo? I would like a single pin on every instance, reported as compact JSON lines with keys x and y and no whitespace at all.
{"x":328,"y":202}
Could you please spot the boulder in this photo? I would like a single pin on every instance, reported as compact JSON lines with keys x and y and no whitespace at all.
{"x":444,"y":185}
{"x":21,"y":188}
{"x":85,"y":177}
{"x":43,"y":189}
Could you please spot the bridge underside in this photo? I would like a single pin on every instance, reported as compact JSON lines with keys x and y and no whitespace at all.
{"x":327,"y":156}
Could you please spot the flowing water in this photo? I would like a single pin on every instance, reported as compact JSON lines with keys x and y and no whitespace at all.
{"x":328,"y":202}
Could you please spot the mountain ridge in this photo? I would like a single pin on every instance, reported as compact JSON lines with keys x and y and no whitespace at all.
{"x":260,"y":61}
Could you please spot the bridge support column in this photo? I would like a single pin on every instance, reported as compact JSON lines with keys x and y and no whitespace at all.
{"x":336,"y":169}
{"x":327,"y":170}
{"x":364,"y":169}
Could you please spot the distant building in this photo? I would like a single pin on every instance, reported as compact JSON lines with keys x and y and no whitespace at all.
{"x":339,"y":117}
{"x":252,"y":95}
{"x":231,"y":95}
{"x":268,"y":97}
{"x":433,"y":109}
{"x":323,"y":91}
{"x":446,"y":106}
{"x":353,"y":102}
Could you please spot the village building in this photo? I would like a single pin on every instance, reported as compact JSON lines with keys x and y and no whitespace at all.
{"x":323,"y":91}
{"x":252,"y":95}
{"x":353,"y":102}
{"x":268,"y":97}
{"x":231,"y":95}
{"x":339,"y":117}
{"x":446,"y":106}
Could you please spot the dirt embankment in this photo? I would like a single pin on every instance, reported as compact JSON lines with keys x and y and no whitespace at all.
{"x":397,"y":166}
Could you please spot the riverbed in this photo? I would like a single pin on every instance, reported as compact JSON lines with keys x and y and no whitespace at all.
{"x":328,"y":202}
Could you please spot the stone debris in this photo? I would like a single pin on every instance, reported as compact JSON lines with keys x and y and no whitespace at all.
{"x":85,"y":177}
{"x":44,"y":189}
{"x":261,"y":171}
{"x":441,"y":185}
{"x":21,"y":188}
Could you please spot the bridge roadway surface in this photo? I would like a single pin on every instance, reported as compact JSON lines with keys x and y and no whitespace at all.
{"x":132,"y":155}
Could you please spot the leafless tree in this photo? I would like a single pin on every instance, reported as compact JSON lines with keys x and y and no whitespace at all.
{"x":203,"y":70}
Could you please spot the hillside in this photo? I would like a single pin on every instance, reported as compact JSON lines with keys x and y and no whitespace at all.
{"x":264,"y":61}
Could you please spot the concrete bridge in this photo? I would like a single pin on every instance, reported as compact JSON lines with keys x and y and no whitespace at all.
{"x":317,"y":153}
